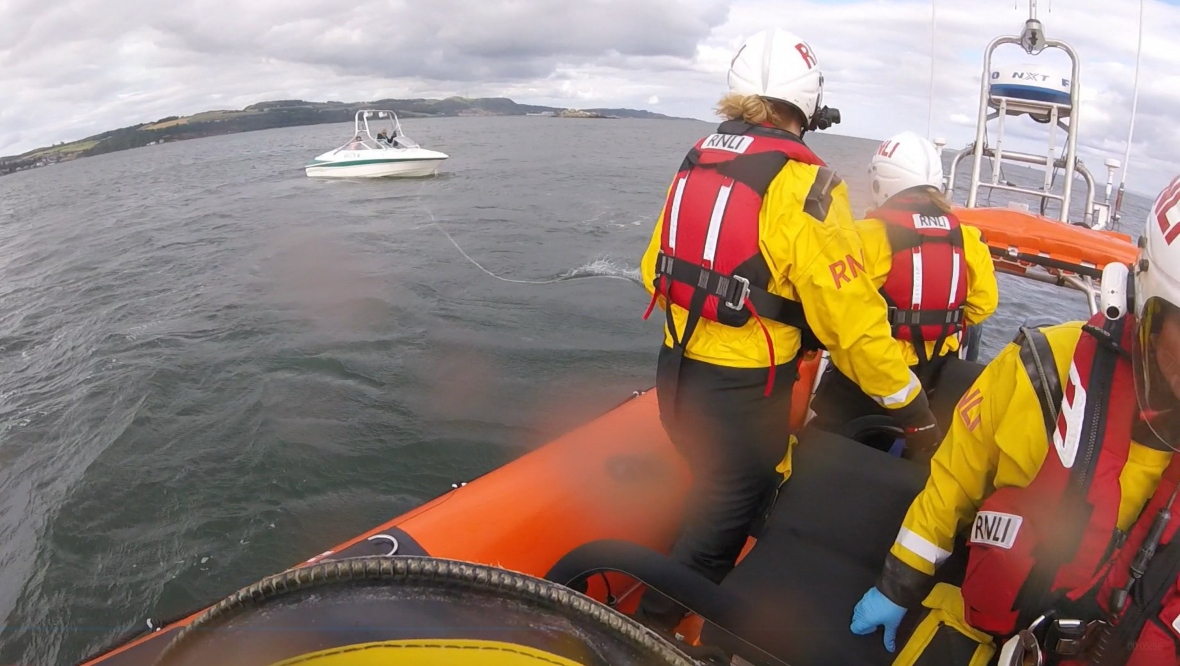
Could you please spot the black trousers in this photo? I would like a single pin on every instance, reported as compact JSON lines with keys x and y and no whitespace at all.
{"x":732,"y":436}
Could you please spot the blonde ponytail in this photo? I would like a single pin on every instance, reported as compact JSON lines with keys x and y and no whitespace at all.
{"x":756,"y":110}
{"x":918,"y":194}
{"x":939,"y":200}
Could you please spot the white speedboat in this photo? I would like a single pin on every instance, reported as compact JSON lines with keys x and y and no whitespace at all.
{"x":389,"y":153}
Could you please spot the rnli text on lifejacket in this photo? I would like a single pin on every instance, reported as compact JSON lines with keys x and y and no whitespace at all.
{"x":996,"y":529}
{"x":734,"y":143}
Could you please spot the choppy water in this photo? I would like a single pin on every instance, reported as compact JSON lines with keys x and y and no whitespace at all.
{"x":213,"y":367}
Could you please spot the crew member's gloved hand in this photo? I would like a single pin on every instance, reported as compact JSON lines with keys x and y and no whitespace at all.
{"x":875,"y":610}
{"x":922,"y":435}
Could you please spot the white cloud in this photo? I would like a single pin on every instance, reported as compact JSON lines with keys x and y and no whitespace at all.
{"x":876,"y":57}
{"x":77,"y":67}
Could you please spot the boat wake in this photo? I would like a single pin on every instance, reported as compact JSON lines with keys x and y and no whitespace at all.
{"x":604,"y":268}
{"x":598,"y":268}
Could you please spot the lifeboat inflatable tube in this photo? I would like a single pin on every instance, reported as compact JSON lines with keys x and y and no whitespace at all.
{"x":615,"y":478}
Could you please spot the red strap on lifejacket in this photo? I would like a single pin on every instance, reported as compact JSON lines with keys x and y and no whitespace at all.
{"x":655,"y":294}
{"x":769,"y":347}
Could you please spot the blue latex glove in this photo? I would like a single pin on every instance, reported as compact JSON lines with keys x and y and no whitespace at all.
{"x":875,"y":610}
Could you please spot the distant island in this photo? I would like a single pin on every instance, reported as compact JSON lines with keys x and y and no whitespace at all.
{"x":290,"y":113}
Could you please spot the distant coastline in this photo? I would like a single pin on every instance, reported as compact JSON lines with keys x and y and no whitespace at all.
{"x":290,"y":113}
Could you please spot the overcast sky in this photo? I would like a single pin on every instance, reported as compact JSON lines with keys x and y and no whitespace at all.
{"x":71,"y":68}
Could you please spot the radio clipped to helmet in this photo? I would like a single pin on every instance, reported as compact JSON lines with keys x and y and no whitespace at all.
{"x":824,"y":118}
{"x":776,"y":64}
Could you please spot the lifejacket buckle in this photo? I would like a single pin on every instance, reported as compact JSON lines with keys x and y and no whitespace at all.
{"x":1066,"y":637}
{"x":743,"y":293}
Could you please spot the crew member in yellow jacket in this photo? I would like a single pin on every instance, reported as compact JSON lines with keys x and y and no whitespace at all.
{"x":752,"y":259}
{"x":1050,"y":461}
{"x":936,"y":275}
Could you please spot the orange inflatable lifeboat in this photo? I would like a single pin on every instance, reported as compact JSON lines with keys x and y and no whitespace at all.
{"x":605,"y":502}
{"x":594,"y":511}
{"x":617,"y":477}
{"x":586,"y":520}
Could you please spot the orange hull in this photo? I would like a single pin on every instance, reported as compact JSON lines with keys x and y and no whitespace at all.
{"x":1020,"y":239}
{"x":617,"y":477}
{"x":566,"y":494}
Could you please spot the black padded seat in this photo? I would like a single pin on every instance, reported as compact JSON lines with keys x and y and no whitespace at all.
{"x":821,"y":549}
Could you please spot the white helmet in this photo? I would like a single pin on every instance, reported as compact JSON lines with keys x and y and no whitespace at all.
{"x":1156,"y":348}
{"x":777,"y":64}
{"x":903,"y":161}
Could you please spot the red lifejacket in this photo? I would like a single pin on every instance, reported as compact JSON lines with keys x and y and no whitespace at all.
{"x":710,"y":260}
{"x":1033,"y":548}
{"x":1147,"y":629}
{"x":926,"y":289}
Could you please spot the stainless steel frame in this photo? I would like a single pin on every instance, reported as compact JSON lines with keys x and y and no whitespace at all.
{"x":1033,"y":42}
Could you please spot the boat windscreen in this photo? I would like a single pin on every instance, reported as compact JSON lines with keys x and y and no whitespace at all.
{"x":361,"y":143}
{"x":405,"y":142}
